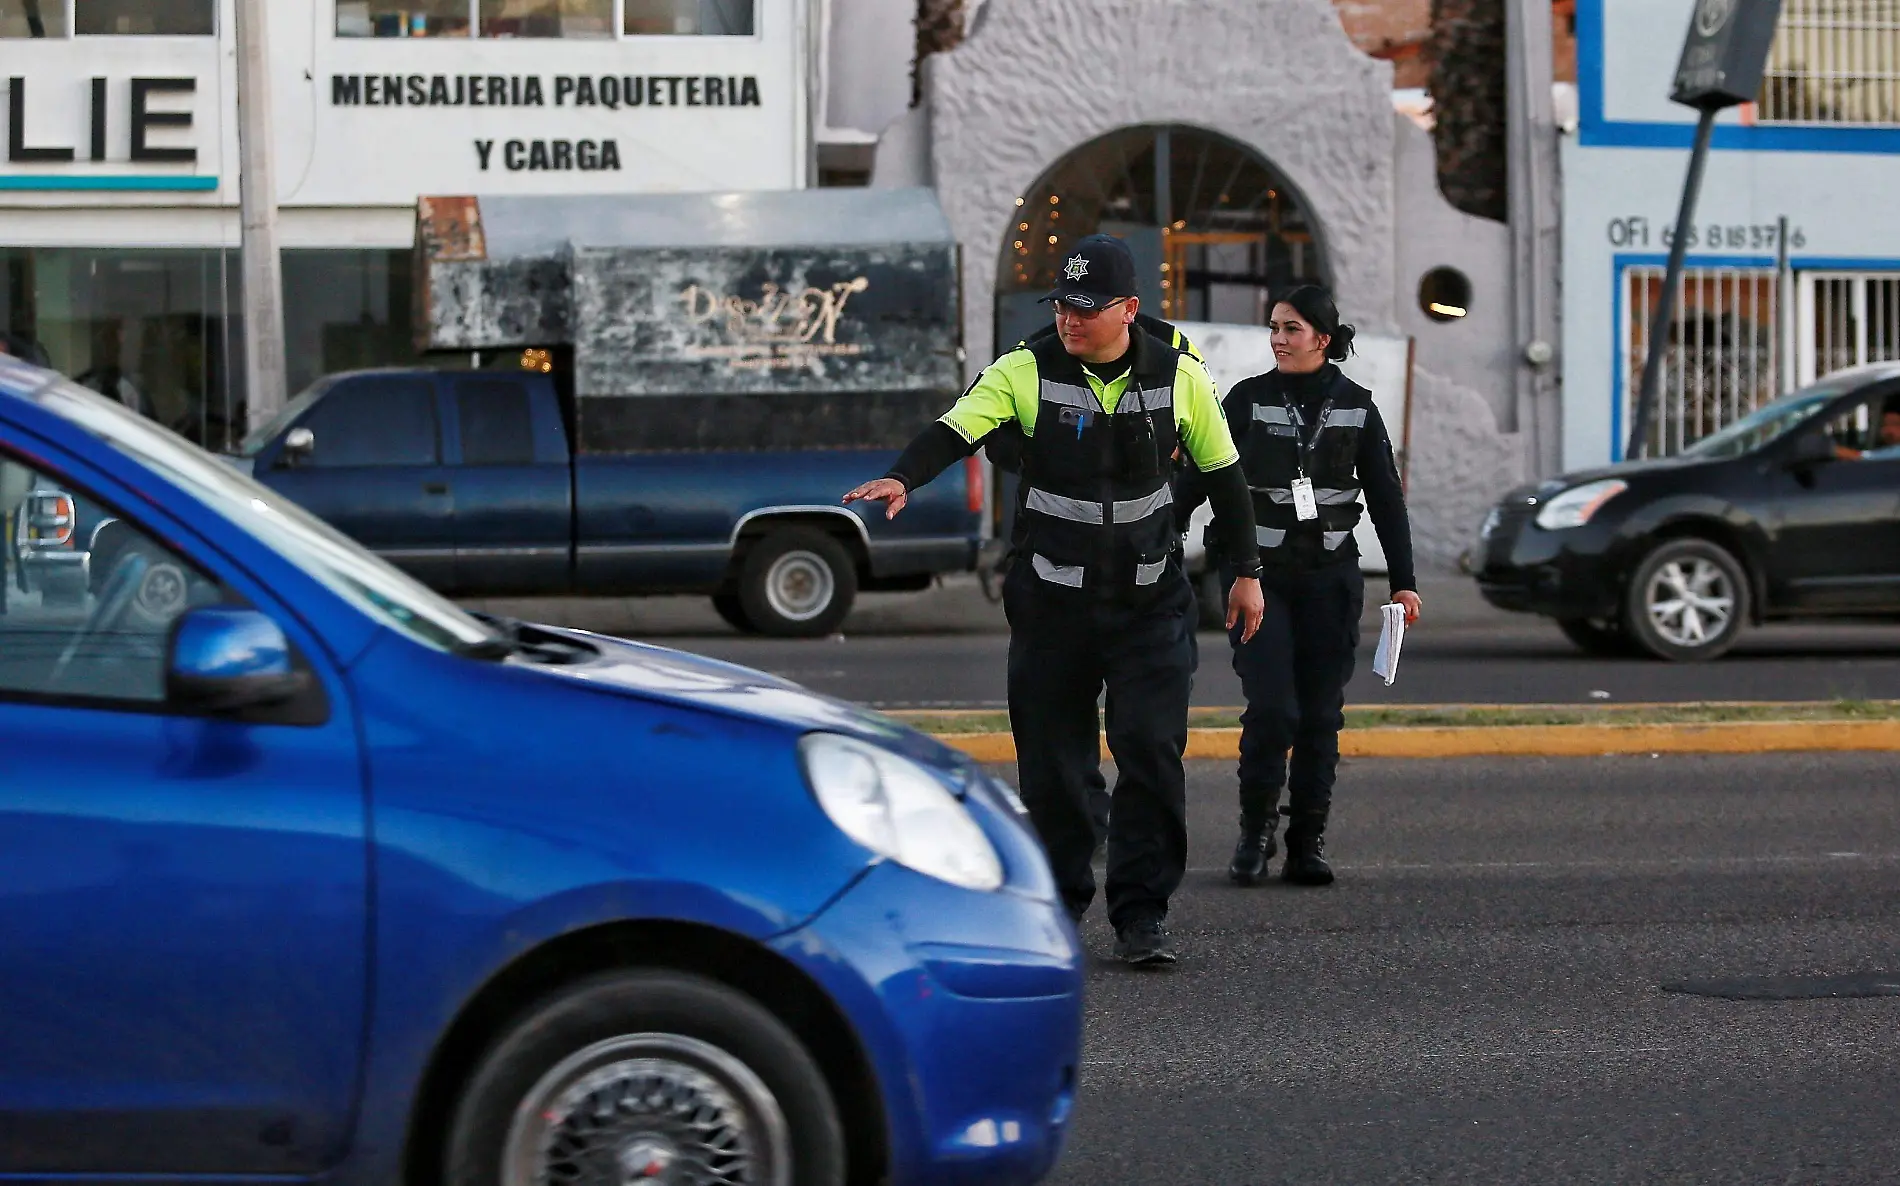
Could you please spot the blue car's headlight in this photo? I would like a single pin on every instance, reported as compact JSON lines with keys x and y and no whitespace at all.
{"x":900,"y":810}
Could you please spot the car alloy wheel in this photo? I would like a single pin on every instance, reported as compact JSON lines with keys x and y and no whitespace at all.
{"x":1690,"y":602}
{"x":660,"y":1108}
{"x":1687,"y":601}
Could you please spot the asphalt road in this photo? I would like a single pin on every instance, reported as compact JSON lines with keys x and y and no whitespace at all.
{"x":947,"y":648}
{"x":1478,"y":999}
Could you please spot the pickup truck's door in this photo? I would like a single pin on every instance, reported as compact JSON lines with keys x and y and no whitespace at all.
{"x":514,"y":524}
{"x":183,"y":898}
{"x":376,"y":472}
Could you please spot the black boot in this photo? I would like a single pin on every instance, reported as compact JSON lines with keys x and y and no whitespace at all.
{"x":1255,"y":849}
{"x":1306,"y":852}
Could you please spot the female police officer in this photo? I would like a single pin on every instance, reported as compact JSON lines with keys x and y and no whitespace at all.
{"x":1310,"y":441}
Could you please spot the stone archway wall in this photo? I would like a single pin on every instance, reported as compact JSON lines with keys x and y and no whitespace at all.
{"x":1039,"y":78}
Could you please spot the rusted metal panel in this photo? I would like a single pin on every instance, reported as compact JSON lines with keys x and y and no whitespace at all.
{"x":495,"y":304}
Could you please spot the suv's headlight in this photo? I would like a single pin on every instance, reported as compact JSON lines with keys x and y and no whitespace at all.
{"x":1576,"y":506}
{"x":900,"y":810}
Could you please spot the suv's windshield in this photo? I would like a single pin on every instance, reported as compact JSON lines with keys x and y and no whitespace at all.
{"x":1765,"y":424}
{"x":259,"y":437}
{"x":389,"y":596}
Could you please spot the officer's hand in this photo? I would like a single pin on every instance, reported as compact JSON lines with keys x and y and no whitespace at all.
{"x":1410,"y":601}
{"x":888,"y":491}
{"x":1246,"y":601}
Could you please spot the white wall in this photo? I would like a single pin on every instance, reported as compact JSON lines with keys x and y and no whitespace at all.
{"x":333,"y":155}
{"x":868,"y":62}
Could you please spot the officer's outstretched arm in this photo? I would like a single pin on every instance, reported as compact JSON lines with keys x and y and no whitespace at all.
{"x":989,"y":403}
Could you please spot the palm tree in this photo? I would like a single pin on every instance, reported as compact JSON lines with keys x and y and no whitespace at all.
{"x":1468,"y":103}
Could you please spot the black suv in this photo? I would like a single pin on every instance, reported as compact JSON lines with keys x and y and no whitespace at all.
{"x":1793,"y":511}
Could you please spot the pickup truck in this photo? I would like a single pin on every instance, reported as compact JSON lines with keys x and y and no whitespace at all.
{"x":470,"y":481}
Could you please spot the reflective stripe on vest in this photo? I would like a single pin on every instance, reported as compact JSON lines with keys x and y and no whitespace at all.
{"x":1061,"y":574}
{"x":1067,"y":395}
{"x":1081,"y":510}
{"x":1343,"y":418}
{"x":1324,"y":496}
{"x":1332,"y":539}
{"x":1071,"y":395}
{"x":1271,"y":414}
{"x":1269,"y":537}
{"x":1148,"y":574}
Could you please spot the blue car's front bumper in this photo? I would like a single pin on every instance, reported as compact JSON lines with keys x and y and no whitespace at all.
{"x":969,"y":1009}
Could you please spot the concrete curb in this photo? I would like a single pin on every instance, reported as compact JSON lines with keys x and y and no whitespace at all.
{"x":1533,"y":741}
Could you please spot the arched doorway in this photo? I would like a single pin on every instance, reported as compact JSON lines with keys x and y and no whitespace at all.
{"x":1214,"y":227}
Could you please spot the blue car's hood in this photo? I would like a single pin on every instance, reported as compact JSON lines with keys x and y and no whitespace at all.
{"x":676,"y":676}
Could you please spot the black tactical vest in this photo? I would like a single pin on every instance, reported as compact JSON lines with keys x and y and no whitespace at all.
{"x":1097,"y":511}
{"x":1277,"y":448}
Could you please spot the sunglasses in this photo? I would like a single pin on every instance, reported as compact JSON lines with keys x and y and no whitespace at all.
{"x":1065,"y":309}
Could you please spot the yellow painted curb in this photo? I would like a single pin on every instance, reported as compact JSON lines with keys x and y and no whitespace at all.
{"x":1529,"y":741}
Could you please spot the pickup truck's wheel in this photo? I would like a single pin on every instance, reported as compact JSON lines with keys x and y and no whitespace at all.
{"x":797,"y":583}
{"x":649,"y":1075}
{"x":733,"y":611}
{"x":1605,"y":638}
{"x":1687,"y":601}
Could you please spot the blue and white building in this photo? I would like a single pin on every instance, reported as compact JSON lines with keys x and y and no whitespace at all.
{"x":1818,"y":154}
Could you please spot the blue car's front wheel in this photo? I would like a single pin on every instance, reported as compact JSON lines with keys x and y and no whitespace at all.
{"x":647,"y":1076}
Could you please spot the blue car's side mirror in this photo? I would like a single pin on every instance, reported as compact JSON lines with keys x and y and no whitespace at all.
{"x":223,"y":659}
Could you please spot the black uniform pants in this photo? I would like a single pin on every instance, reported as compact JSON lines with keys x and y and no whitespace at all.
{"x":1294,"y":673}
{"x":1065,"y":647}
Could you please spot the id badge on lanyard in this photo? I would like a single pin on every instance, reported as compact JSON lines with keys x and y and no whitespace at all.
{"x":1305,"y":504}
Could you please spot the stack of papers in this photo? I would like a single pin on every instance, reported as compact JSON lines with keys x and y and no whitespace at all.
{"x":1385,"y":661}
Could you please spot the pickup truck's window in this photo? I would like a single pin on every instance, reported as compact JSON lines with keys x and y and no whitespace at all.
{"x":70,"y":630}
{"x":497,"y":425}
{"x":375,"y":422}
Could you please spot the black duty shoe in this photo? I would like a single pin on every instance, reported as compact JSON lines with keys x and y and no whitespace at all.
{"x":1306,"y":860}
{"x":1143,"y":943}
{"x":1251,"y":854}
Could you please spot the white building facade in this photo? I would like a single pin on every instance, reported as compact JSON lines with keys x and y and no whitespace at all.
{"x":119,"y":189}
{"x":1819,"y":154}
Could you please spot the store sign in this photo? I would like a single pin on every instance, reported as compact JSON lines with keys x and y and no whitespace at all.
{"x":155,"y":110}
{"x":551,"y":154}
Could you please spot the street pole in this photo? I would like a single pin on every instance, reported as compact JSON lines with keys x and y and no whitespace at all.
{"x":1672,"y":279}
{"x":257,"y":209}
{"x":1535,"y":220}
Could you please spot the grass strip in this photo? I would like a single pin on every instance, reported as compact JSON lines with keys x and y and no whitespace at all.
{"x":1487,"y":716}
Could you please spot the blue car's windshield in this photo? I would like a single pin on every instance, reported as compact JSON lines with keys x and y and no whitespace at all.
{"x":1766,"y":423}
{"x":391,"y":597}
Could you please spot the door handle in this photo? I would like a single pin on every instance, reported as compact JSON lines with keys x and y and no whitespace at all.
{"x":435,"y":487}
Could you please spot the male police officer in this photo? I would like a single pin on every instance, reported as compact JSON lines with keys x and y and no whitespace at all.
{"x":1094,"y":594}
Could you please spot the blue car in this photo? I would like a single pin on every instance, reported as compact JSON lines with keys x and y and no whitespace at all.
{"x":305,"y":872}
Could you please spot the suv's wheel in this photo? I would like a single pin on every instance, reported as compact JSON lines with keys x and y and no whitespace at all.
{"x":646,"y":1075}
{"x":797,"y":583}
{"x":733,"y":612}
{"x":1594,"y":636}
{"x":1687,"y":601}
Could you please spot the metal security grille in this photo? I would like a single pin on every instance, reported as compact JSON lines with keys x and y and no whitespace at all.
{"x":1833,"y":62}
{"x":1723,"y":354}
{"x":1845,"y":319}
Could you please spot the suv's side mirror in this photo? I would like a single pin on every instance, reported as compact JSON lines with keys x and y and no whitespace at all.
{"x":299,"y":444}
{"x":1808,"y":450}
{"x":222,"y":659}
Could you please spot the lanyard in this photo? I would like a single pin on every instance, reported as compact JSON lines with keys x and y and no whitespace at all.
{"x":1308,"y":444}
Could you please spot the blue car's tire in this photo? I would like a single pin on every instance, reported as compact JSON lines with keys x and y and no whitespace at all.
{"x":653,"y":1067}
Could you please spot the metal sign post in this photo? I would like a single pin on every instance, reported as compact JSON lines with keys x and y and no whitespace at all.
{"x":1721,"y":66}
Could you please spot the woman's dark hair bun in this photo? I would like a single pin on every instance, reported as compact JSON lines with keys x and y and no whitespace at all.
{"x":1316,"y":305}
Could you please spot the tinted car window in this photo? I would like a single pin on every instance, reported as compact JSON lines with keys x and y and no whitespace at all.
{"x":102,"y":639}
{"x":497,"y":426}
{"x":375,"y":422}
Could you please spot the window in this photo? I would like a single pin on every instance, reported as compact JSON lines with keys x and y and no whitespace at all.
{"x":402,"y":18}
{"x":1869,"y":429}
{"x":1724,"y":356}
{"x":69,"y":633}
{"x":1833,"y":62}
{"x":1444,"y":294}
{"x":144,"y":17}
{"x":497,"y":426}
{"x":716,"y":18}
{"x":547,"y":18}
{"x":375,"y":422}
{"x":32,"y":18}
